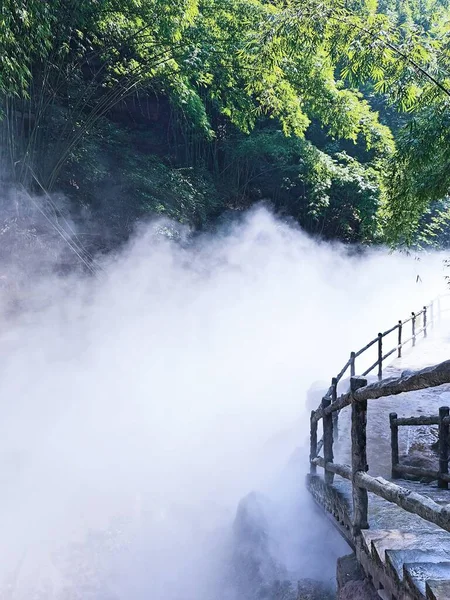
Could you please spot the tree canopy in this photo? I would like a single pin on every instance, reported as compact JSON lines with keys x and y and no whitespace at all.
{"x":334,"y":111}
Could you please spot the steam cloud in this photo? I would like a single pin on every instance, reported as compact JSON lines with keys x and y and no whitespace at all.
{"x":138,"y":407}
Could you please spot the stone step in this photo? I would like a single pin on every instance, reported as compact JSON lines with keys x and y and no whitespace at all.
{"x":395,"y":559}
{"x":374,"y":535}
{"x":416,"y":575}
{"x":378,"y":541}
{"x":437,"y":590}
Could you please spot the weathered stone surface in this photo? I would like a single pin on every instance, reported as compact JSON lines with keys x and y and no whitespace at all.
{"x":438,"y":590}
{"x":348,"y":569}
{"x":358,"y":590}
{"x":256,"y":570}
{"x":352,"y":583}
{"x":422,"y":452}
{"x":306,"y":589}
{"x":309,"y":589}
{"x":417,"y":574}
{"x":253,"y":563}
{"x":422,"y":457}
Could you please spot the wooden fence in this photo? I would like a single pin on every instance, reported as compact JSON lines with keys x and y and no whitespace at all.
{"x":420,"y":323}
{"x":443,"y":422}
{"x":358,"y":396}
{"x":362,"y":483}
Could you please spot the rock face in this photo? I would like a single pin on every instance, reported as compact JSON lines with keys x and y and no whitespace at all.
{"x":253,"y":564}
{"x":352,"y":584}
{"x":256,"y":571}
{"x":358,"y":590}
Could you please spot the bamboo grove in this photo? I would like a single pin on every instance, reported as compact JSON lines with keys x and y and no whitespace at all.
{"x":335,"y":113}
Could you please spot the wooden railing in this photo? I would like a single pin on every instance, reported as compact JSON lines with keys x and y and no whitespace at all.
{"x":362,"y":483}
{"x":443,"y":421}
{"x":421,"y":322}
{"x":358,"y":396}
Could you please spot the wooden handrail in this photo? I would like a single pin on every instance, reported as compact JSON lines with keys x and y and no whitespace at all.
{"x":341,"y":373}
{"x":390,"y":330}
{"x":358,"y":396}
{"x":366,"y":347}
{"x":418,"y":380}
{"x":408,"y":421}
{"x":443,"y":421}
{"x":428,"y":314}
{"x":362,"y":483}
{"x":410,"y":501}
{"x":419,"y":472}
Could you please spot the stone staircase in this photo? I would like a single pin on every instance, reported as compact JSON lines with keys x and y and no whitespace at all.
{"x":412,"y":562}
{"x":405,"y":557}
{"x":407,"y":565}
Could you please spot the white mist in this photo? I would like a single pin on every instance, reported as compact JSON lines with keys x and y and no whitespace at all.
{"x":148,"y":401}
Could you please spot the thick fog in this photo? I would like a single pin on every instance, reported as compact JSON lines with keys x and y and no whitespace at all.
{"x":140,"y":405}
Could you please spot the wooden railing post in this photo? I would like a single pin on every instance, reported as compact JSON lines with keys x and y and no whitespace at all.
{"x":380,"y":355}
{"x":394,"y":444}
{"x":413,"y":325}
{"x":424,"y":321}
{"x":327,"y":439}
{"x":334,"y":383}
{"x":352,"y":364}
{"x":400,"y":327}
{"x":443,"y":445}
{"x":313,"y":444}
{"x":359,"y":457}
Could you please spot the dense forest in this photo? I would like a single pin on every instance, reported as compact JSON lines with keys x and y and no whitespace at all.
{"x":335,"y":113}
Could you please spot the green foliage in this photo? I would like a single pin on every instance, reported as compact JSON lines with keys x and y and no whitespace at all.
{"x":111,"y":169}
{"x":25,"y":36}
{"x":434,"y":226}
{"x":265,"y":100}
{"x":420,"y":173}
{"x":334,"y":196}
{"x":400,"y":49}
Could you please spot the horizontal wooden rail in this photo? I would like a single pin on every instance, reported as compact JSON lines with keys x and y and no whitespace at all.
{"x":343,"y":470}
{"x":358,"y":396}
{"x":390,"y":330}
{"x":341,"y":373}
{"x":419,"y":472}
{"x":410,"y":501}
{"x":388,"y":354}
{"x":427,"y":313}
{"x":408,"y":421}
{"x":366,"y":347}
{"x":419,"y":380}
{"x":371,"y":368}
{"x":398,"y":469}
